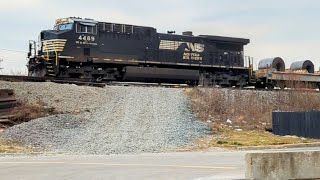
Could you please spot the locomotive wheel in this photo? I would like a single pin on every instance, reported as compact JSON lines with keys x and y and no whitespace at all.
{"x":37,"y":72}
{"x":280,"y":84}
{"x":270,"y":86}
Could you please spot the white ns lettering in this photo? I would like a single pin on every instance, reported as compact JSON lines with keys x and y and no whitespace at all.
{"x":195,"y":47}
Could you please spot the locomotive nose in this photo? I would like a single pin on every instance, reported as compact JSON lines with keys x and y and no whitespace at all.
{"x":51,"y":41}
{"x":47,"y":35}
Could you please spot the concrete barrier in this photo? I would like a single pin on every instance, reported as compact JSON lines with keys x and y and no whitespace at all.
{"x":283,"y":165}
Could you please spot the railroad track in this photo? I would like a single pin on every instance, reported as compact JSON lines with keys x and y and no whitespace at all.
{"x":141,"y":84}
{"x":7,"y":103}
{"x":83,"y":82}
{"x":86,"y":82}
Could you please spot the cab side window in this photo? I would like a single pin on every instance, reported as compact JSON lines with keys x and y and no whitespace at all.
{"x":87,"y":28}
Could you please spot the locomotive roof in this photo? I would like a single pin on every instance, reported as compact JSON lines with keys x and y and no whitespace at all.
{"x":84,"y":20}
{"x":74,"y":19}
{"x":222,"y":39}
{"x":210,"y":37}
{"x":226,"y":39}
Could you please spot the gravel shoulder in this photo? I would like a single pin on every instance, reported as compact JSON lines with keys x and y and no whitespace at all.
{"x":111,"y":120}
{"x":64,"y":98}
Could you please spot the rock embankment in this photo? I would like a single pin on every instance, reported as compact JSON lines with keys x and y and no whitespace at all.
{"x":111,"y":120}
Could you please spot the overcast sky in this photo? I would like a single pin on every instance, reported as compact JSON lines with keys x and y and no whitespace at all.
{"x":285,"y":28}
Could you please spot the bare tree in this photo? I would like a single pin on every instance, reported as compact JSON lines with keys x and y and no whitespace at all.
{"x":0,"y":65}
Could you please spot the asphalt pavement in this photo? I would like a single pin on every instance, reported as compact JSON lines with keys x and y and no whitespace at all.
{"x":214,"y":164}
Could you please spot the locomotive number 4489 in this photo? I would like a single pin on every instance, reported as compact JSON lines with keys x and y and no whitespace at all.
{"x":86,"y":38}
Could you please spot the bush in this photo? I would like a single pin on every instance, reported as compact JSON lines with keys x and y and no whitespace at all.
{"x":248,"y":109}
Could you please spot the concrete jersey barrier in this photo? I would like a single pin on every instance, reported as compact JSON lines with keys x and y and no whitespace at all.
{"x":283,"y":165}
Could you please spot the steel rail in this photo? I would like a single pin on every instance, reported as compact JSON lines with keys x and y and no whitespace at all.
{"x":88,"y":82}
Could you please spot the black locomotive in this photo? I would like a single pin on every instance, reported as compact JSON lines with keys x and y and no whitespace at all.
{"x":85,"y":48}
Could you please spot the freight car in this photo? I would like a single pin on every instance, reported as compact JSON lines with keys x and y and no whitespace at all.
{"x":272,"y":73}
{"x":85,"y":48}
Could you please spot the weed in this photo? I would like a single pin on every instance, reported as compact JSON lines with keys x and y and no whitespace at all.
{"x":248,"y":110}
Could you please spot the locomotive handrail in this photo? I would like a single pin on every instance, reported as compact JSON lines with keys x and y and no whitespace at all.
{"x":45,"y":46}
{"x":56,"y":53}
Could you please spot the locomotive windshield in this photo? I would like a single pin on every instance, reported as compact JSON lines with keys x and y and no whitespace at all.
{"x":63,"y":27}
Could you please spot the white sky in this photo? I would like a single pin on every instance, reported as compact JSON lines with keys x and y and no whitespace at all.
{"x":286,"y":28}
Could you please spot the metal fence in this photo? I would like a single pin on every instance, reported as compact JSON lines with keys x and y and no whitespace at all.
{"x":301,"y":124}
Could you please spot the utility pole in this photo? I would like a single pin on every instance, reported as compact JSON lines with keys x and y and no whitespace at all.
{"x":0,"y":64}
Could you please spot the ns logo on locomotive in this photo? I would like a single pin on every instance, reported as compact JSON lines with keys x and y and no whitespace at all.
{"x":89,"y":49}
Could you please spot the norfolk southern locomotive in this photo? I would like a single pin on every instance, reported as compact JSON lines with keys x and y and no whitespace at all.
{"x":85,"y":48}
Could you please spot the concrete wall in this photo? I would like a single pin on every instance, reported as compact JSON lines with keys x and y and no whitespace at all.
{"x":283,"y":165}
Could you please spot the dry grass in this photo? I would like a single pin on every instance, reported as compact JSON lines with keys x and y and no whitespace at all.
{"x":13,"y":148}
{"x":248,"y":110}
{"x":232,"y":139}
{"x":26,"y":112}
{"x":250,"y":113}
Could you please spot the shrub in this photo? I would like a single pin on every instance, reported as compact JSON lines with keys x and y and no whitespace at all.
{"x":248,"y":109}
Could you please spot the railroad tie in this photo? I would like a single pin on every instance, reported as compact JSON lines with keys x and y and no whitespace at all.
{"x":7,"y":103}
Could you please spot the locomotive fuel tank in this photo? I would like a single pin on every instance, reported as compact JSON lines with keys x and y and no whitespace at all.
{"x":160,"y":74}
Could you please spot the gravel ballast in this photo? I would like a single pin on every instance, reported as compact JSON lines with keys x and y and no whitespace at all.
{"x":121,"y":120}
{"x":64,"y":98}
